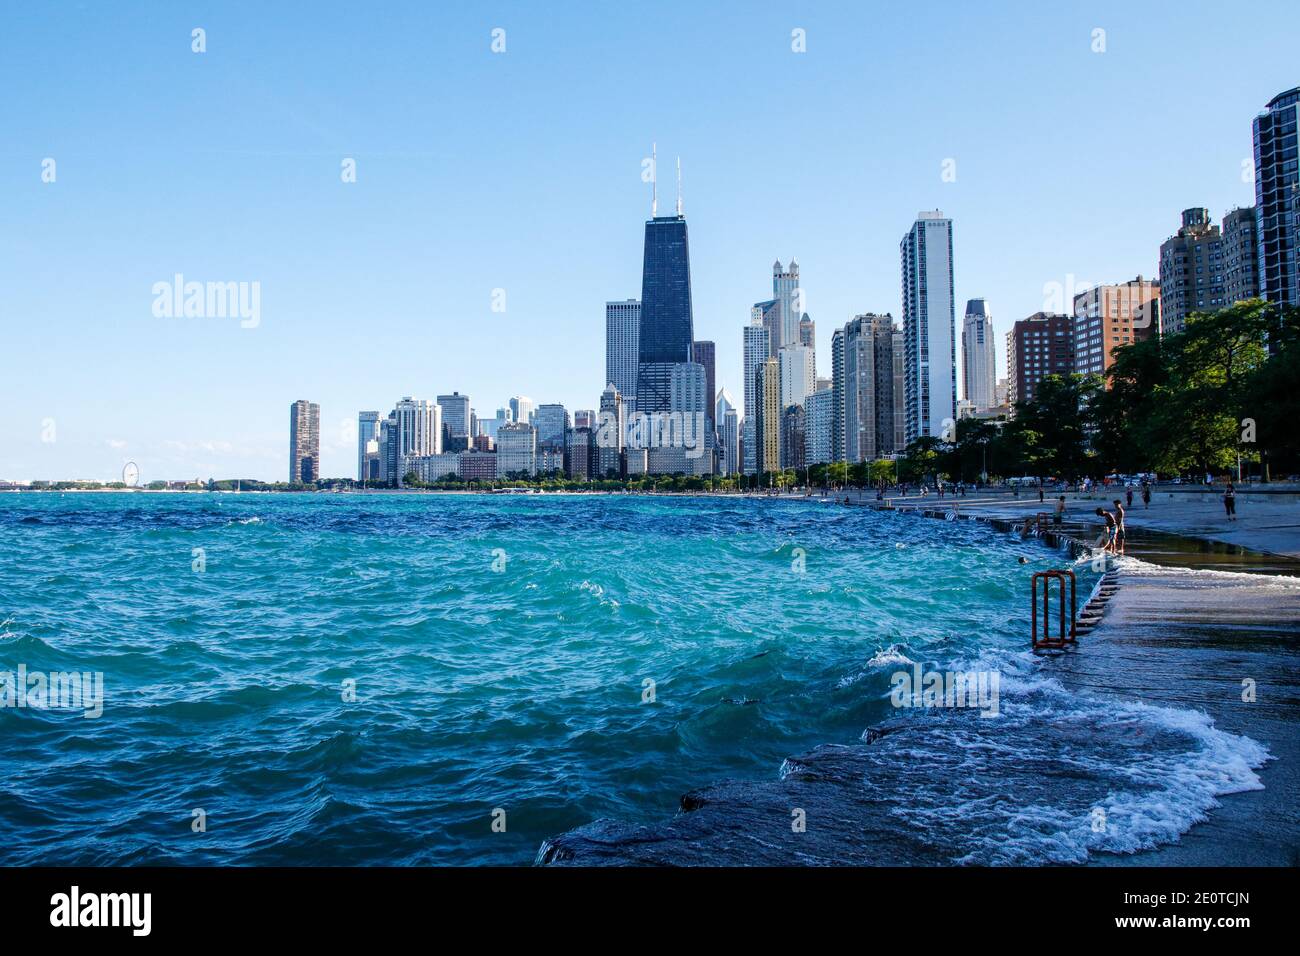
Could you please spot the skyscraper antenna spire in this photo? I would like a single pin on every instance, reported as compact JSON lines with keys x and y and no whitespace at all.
{"x":679,"y":185}
{"x":654,"y":180}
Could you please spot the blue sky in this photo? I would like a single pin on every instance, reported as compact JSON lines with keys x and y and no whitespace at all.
{"x":521,"y":171}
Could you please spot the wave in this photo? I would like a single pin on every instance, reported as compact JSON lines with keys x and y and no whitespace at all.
{"x":479,"y":689}
{"x":1137,"y":566}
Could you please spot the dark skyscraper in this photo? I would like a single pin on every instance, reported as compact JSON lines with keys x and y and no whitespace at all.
{"x":706,"y":354}
{"x":1277,"y":197}
{"x":667,"y":328}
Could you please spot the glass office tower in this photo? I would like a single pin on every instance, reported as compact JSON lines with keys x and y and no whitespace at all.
{"x":667,"y":329}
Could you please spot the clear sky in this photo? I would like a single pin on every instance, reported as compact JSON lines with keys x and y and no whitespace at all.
{"x":521,"y":171}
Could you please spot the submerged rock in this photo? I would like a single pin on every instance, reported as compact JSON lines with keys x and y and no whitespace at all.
{"x":1054,"y":777}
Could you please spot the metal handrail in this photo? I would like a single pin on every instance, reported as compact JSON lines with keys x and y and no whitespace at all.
{"x":1066,"y":633}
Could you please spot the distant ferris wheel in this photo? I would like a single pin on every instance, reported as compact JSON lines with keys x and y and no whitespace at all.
{"x":130,"y":474}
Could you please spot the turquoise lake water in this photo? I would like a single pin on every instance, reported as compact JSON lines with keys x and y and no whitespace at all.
{"x":500,"y":648}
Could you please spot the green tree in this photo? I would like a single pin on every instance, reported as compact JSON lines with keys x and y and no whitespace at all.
{"x":1268,"y":398}
{"x":1131,"y":416}
{"x":965,"y":459}
{"x":882,"y":469}
{"x":1219,"y":355}
{"x":922,"y":459}
{"x":1052,"y":430}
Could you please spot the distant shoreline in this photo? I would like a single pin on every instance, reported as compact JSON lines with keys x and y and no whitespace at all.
{"x":515,"y":492}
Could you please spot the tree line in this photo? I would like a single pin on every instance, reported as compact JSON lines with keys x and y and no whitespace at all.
{"x":1189,"y":403}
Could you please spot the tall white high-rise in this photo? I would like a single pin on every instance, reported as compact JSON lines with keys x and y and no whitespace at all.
{"x":785,"y":289}
{"x":978,"y":356}
{"x":798,"y":374}
{"x":622,"y":341}
{"x":929,"y":327}
{"x":419,"y":427}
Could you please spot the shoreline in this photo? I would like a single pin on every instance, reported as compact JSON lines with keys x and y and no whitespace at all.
{"x":1268,"y":517}
{"x":1268,"y":521}
{"x":1144,"y":640}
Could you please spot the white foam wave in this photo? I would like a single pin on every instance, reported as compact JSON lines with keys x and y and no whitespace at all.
{"x":598,"y":592}
{"x":891,"y":656}
{"x":1137,"y":566}
{"x":1154,"y":792}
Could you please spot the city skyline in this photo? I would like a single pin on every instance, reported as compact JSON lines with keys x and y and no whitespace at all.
{"x":205,"y":397}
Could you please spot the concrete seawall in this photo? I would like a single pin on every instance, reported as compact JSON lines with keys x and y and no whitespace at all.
{"x":1164,"y":637}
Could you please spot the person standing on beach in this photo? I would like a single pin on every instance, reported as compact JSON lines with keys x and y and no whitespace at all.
{"x":1230,"y":501}
{"x":1040,"y":491}
{"x":1146,"y":495}
{"x":1110,"y":529}
{"x":1128,"y":497}
{"x":1119,"y":527}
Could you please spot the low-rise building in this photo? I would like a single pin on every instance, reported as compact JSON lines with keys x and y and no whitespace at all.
{"x":1108,"y":316}
{"x":1037,"y":347}
{"x":477,"y":465}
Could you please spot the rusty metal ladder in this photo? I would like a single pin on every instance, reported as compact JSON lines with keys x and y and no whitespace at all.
{"x":1065,"y":635}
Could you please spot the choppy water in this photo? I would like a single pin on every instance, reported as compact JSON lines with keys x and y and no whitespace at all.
{"x":500,"y":648}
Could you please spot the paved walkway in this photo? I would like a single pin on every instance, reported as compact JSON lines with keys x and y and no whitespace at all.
{"x":1194,"y":639}
{"x":1267,"y":522}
